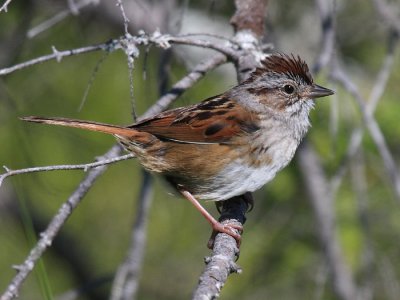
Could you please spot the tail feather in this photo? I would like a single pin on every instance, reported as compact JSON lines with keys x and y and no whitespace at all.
{"x":88,"y":125}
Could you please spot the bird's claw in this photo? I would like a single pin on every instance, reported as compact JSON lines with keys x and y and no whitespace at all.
{"x":234,"y":230}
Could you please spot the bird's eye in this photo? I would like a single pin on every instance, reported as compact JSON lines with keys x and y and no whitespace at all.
{"x":289,"y":89}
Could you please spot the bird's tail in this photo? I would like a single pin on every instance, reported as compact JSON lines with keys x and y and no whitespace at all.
{"x":118,"y":131}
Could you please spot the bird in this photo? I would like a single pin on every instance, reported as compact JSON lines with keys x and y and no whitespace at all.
{"x":228,"y":145}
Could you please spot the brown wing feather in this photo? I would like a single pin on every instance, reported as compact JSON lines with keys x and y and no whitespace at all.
{"x":215,"y":120}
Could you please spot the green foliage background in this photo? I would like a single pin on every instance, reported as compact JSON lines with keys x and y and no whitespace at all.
{"x":281,"y":256}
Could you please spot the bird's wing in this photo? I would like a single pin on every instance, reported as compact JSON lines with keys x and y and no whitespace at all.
{"x":215,"y":120}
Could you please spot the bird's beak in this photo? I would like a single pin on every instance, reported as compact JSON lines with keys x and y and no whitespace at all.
{"x":318,"y":91}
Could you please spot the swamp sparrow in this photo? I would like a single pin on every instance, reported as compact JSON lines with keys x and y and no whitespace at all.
{"x":228,"y":144}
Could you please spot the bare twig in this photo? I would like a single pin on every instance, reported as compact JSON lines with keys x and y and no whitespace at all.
{"x":383,"y":75}
{"x":375,"y":95}
{"x":73,"y":9}
{"x":55,"y":225}
{"x":326,"y":11}
{"x":126,"y":280}
{"x":84,"y":167}
{"x":91,"y":80}
{"x":186,"y":82}
{"x":370,"y":122}
{"x":388,"y":14}
{"x":358,"y":176}
{"x":221,"y":263}
{"x":322,"y":202}
{"x":4,"y":7}
{"x":222,"y":48}
{"x":129,"y":44}
{"x":57,"y":55}
{"x":125,"y":18}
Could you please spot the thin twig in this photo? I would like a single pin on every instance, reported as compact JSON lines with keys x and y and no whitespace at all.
{"x":372,"y":125}
{"x":91,"y":80}
{"x":222,"y":48}
{"x":375,"y":95}
{"x":55,"y":225}
{"x":72,"y":9}
{"x":388,"y":14}
{"x":131,"y":66}
{"x":327,"y":12}
{"x":186,"y":82}
{"x":322,"y":201}
{"x":57,"y":55}
{"x":358,"y":176}
{"x":129,"y":44}
{"x":126,"y":281}
{"x":126,"y":20}
{"x":5,"y":6}
{"x":212,"y":35}
{"x":84,"y":167}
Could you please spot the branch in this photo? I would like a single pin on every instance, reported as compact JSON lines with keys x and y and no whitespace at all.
{"x":126,"y":281}
{"x":186,"y":82}
{"x":249,"y":16}
{"x":221,"y":263}
{"x":84,"y":167}
{"x":359,"y":180}
{"x":57,"y":55}
{"x":125,"y":18}
{"x":5,"y":6}
{"x":328,"y":27}
{"x":373,"y":100}
{"x":129,"y":44}
{"x":55,"y":225}
{"x":72,"y":10}
{"x":249,"y":30}
{"x":388,"y":15}
{"x":322,"y":202}
{"x":372,"y":125}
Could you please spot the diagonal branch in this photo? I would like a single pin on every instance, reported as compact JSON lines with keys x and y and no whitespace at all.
{"x":375,"y":96}
{"x":388,"y":14}
{"x":4,"y":7}
{"x":55,"y":225}
{"x":322,"y":202}
{"x":372,"y":125}
{"x":126,"y":281}
{"x":73,"y":9}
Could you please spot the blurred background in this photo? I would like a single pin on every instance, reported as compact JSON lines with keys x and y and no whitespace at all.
{"x":281,"y":255}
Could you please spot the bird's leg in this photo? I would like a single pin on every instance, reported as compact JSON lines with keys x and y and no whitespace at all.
{"x":217,"y":227}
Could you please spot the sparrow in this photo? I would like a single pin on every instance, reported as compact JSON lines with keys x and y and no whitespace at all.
{"x":227,"y":145}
